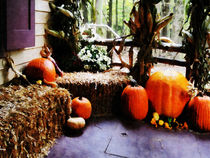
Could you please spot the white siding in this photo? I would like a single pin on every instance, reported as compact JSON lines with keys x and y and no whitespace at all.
{"x":23,"y":56}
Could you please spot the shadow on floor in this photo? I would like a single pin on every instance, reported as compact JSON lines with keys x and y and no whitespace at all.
{"x":117,"y":137}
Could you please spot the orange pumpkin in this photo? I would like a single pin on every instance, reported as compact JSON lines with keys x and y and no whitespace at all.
{"x":199,"y":112}
{"x":167,"y":92}
{"x":41,"y":69}
{"x":134,"y":101}
{"x":81,"y":106}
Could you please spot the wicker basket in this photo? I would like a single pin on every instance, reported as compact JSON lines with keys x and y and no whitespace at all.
{"x":102,"y":89}
{"x":30,"y":119}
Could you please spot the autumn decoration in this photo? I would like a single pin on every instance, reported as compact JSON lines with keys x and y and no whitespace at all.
{"x":167,"y":92}
{"x":198,"y":111}
{"x":134,"y":101}
{"x":81,"y":106}
{"x":168,"y":122}
{"x":41,"y":69}
{"x":76,"y":123}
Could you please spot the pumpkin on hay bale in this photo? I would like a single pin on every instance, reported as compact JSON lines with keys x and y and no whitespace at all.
{"x":41,"y":69}
{"x":31,"y":118}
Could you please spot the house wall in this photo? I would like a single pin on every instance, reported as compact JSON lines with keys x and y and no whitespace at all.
{"x":23,"y":56}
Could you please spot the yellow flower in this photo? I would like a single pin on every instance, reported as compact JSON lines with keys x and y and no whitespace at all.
{"x":153,"y":121}
{"x":39,"y":82}
{"x":160,"y":122}
{"x":167,"y":125}
{"x":156,"y":116}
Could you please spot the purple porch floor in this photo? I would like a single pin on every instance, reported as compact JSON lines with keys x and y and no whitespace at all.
{"x":113,"y":138}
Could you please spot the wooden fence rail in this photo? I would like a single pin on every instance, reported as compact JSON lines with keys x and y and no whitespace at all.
{"x":171,"y":47}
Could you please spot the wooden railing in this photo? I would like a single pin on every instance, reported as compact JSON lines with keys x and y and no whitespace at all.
{"x":171,"y":47}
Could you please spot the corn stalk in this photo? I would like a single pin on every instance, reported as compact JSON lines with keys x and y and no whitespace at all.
{"x":145,"y":29}
{"x":196,"y":41}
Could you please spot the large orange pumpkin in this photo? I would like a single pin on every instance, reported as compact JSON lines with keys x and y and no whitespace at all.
{"x":199,"y":113}
{"x":81,"y":106}
{"x":167,"y":92}
{"x":134,"y":102}
{"x":41,"y":69}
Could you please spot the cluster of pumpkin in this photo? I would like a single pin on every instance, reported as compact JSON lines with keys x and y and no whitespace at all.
{"x":167,"y":95}
{"x":81,"y":108}
{"x":46,"y":70}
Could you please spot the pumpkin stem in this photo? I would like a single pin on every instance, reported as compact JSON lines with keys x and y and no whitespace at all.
{"x":133,"y":83}
{"x":200,"y":94}
{"x":80,"y":97}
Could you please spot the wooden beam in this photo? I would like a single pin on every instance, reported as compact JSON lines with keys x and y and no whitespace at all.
{"x":170,"y":61}
{"x":161,"y":60}
{"x":171,"y":47}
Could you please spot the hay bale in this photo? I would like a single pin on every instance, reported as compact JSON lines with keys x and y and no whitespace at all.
{"x":102,"y":89}
{"x":30,"y":119}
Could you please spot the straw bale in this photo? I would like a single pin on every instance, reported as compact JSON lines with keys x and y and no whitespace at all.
{"x":30,"y":119}
{"x":102,"y":89}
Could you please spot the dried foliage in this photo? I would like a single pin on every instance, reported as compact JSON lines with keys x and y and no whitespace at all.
{"x":144,"y":28}
{"x":102,"y":89}
{"x":63,"y":33}
{"x":196,"y":41}
{"x":30,"y":119}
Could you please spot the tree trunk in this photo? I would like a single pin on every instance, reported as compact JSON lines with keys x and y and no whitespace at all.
{"x":110,"y":18}
{"x":116,"y":14}
{"x":85,"y":11}
{"x":99,"y":13}
{"x":93,"y":12}
{"x":123,"y":14}
{"x":165,"y":11}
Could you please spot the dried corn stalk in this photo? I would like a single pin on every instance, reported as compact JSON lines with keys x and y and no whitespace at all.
{"x":30,"y":119}
{"x":144,"y":27}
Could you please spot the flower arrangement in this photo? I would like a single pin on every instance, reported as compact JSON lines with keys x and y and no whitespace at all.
{"x":94,"y":58}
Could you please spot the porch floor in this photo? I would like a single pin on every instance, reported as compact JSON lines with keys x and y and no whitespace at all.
{"x":114,"y":137}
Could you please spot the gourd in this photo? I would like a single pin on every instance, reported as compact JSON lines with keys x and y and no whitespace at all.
{"x":198,"y":111}
{"x":41,"y":69}
{"x":81,"y":106}
{"x":76,"y":123}
{"x":134,"y":101}
{"x":167,"y":92}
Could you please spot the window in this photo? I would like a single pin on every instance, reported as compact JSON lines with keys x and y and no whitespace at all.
{"x":19,"y":24}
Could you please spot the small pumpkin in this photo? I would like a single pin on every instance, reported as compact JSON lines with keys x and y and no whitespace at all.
{"x":168,"y":92}
{"x":81,"y":106}
{"x":198,"y":111}
{"x":41,"y":69}
{"x":134,"y":101}
{"x":76,"y":123}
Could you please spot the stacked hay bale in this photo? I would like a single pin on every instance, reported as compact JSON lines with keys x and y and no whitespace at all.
{"x":102,"y":89}
{"x":31,"y":118}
